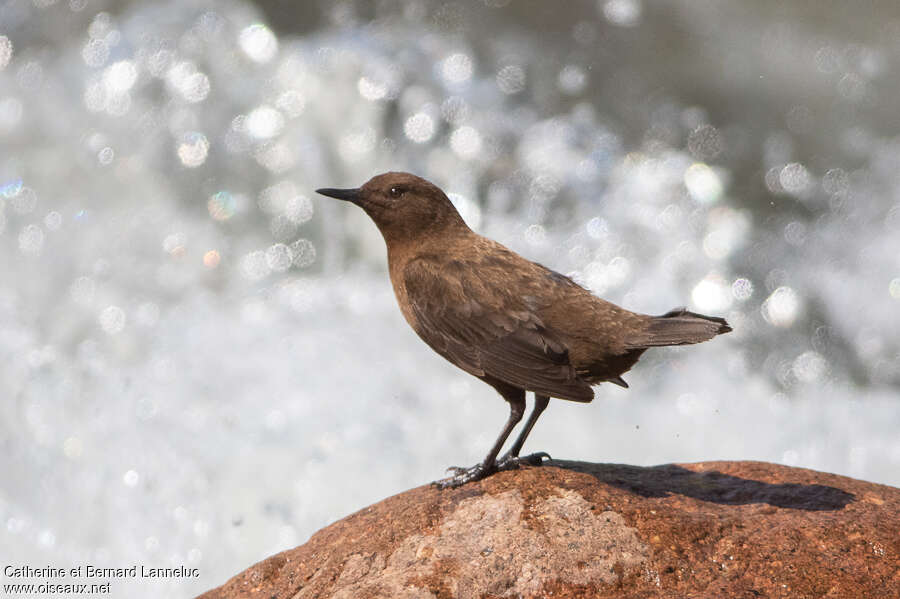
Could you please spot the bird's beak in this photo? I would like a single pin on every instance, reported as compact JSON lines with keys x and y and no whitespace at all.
{"x":350,"y":195}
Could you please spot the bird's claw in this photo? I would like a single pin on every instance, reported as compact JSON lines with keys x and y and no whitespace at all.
{"x":462,"y":476}
{"x":511,"y":462}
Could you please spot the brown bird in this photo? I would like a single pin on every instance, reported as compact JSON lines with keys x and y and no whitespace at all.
{"x":513,"y":323}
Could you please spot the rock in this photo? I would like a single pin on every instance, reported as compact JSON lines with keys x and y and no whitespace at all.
{"x":573,"y":529}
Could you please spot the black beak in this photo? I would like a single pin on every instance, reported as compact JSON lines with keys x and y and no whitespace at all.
{"x":350,"y":195}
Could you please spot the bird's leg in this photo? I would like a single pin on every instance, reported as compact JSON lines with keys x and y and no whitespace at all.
{"x":511,"y":458}
{"x":516,"y":399}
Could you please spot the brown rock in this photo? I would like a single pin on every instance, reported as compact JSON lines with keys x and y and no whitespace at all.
{"x":573,"y":529}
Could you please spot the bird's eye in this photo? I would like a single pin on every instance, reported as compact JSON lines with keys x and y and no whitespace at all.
{"x":396,"y":192}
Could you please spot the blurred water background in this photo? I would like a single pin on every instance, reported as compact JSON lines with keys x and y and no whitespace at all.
{"x":202,"y":362}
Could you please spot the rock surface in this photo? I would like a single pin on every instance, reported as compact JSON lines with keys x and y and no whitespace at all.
{"x":574,"y":529}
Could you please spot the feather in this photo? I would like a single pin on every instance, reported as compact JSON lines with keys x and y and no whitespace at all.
{"x":679,"y":327}
{"x":506,"y":340}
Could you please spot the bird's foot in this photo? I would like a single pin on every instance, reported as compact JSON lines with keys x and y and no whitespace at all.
{"x":462,"y":476}
{"x":511,"y":462}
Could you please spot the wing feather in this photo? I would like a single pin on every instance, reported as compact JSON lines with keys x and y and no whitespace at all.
{"x":495,"y":335}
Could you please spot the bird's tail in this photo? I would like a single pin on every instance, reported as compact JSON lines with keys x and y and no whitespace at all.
{"x":679,"y":327}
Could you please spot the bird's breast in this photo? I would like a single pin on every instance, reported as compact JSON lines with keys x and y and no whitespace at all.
{"x":395,"y":269}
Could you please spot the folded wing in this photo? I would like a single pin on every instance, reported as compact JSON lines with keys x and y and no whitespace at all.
{"x":468,"y":317}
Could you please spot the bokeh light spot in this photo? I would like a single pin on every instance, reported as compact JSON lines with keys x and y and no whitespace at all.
{"x":742,"y":289}
{"x":82,"y":290}
{"x":455,"y":110}
{"x":31,"y":239}
{"x":894,"y":288}
{"x":782,"y":307}
{"x":836,"y":181}
{"x":254,"y":265}
{"x":511,"y":79}
{"x":211,"y":259}
{"x":276,"y":157}
{"x":703,"y":183}
{"x":53,"y":220}
{"x":264,"y":122}
{"x":106,"y":155}
{"x":726,"y":232}
{"x":809,"y":367}
{"x":185,"y":80}
{"x":72,"y":448}
{"x":15,"y":525}
{"x":131,"y":478}
{"x":30,"y":76}
{"x":419,"y":128}
{"x":298,"y":209}
{"x":282,"y":228}
{"x":273,"y":199}
{"x":357,"y":144}
{"x":795,"y":233}
{"x":705,"y":142}
{"x":624,"y":13}
{"x":23,"y":199}
{"x":112,"y":320}
{"x":572,"y":80}
{"x":371,"y":89}
{"x":6,"y":51}
{"x":47,"y":538}
{"x":291,"y":102}
{"x":303,"y":252}
{"x":278,"y":257}
{"x":11,"y":189}
{"x":95,"y":52}
{"x":192,"y":149}
{"x":221,"y":206}
{"x":794,"y":178}
{"x":283,"y":199}
{"x":713,"y":293}
{"x":258,"y":43}
{"x":457,"y":68}
{"x":120,"y":76}
{"x":173,"y":244}
{"x":466,"y":142}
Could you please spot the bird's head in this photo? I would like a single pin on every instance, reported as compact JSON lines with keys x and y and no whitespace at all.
{"x":404,"y":207}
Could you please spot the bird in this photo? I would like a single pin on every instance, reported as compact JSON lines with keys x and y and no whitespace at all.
{"x":511,"y":322}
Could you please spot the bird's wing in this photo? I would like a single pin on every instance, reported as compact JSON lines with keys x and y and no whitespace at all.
{"x":470,"y":315}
